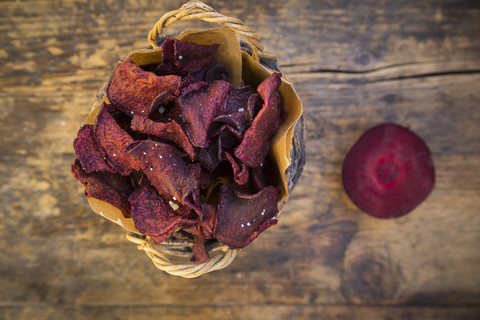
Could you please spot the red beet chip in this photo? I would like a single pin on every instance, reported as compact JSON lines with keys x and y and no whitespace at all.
{"x":226,"y":130}
{"x":152,"y":215}
{"x":228,"y":138}
{"x":112,"y":188}
{"x":199,"y":109}
{"x":259,"y":178}
{"x":114,"y":140}
{"x":199,"y":252}
{"x":237,"y":100}
{"x":254,"y":105}
{"x":256,"y":142}
{"x":135,"y":91}
{"x":182,"y":57}
{"x":238,"y":121}
{"x":90,"y":155}
{"x":209,"y":157}
{"x":170,"y":131}
{"x":240,"y":171}
{"x":216,"y":71}
{"x":388,"y":171}
{"x":208,"y":220}
{"x":166,"y":171}
{"x":241,"y":217}
{"x":193,"y":87}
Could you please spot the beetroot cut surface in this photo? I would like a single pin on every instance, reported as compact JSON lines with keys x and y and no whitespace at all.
{"x":388,"y":171}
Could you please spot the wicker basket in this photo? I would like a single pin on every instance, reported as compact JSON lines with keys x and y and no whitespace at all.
{"x":172,"y":256}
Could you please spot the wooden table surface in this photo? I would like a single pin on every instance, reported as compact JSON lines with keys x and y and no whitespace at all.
{"x":355,"y":64}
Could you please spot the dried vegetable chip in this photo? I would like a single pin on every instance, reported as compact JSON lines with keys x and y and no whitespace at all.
{"x":136,"y":91}
{"x":90,"y":155}
{"x":209,"y":157}
{"x":199,"y":253}
{"x":256,"y":142}
{"x":216,"y":71}
{"x":200,"y":107}
{"x":240,"y":171}
{"x":239,"y":122}
{"x":182,"y":57}
{"x":237,"y":100}
{"x":114,"y":140}
{"x":166,"y":170}
{"x":241,"y":217}
{"x":254,"y":104}
{"x":152,"y":215}
{"x":171,"y":131}
{"x":112,"y":188}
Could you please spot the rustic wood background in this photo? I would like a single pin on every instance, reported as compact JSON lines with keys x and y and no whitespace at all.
{"x":354,"y":64}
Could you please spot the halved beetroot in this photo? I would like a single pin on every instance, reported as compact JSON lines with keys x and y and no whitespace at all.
{"x":388,"y":172}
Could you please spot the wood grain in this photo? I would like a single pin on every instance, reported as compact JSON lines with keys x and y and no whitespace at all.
{"x":354,"y":64}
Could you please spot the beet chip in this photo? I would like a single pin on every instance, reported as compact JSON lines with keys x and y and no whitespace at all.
{"x":199,"y":108}
{"x":238,"y":121}
{"x":254,"y":105}
{"x":237,"y":100}
{"x":151,"y":214}
{"x":182,"y":57}
{"x":90,"y":155}
{"x":135,"y":91}
{"x":114,"y":140}
{"x":216,"y":71}
{"x":112,"y":188}
{"x":171,"y":131}
{"x":240,"y":171}
{"x":209,"y":157}
{"x":241,"y":217}
{"x":256,"y":142}
{"x":166,"y":171}
{"x":199,"y":252}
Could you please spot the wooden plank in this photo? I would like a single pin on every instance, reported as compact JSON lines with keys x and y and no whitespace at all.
{"x":353,"y":64}
{"x":340,"y":35}
{"x":297,"y":312}
{"x":428,"y":254}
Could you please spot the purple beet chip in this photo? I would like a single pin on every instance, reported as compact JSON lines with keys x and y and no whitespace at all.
{"x":237,"y":100}
{"x":241,"y":217}
{"x":256,"y":142}
{"x":114,"y":140}
{"x":152,"y":215}
{"x":200,"y":107}
{"x":112,"y":188}
{"x":240,"y":171}
{"x":181,"y":57}
{"x":170,"y":131}
{"x":166,"y":171}
{"x":90,"y":155}
{"x":135,"y":91}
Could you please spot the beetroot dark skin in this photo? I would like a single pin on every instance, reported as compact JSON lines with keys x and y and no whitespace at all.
{"x":388,"y":172}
